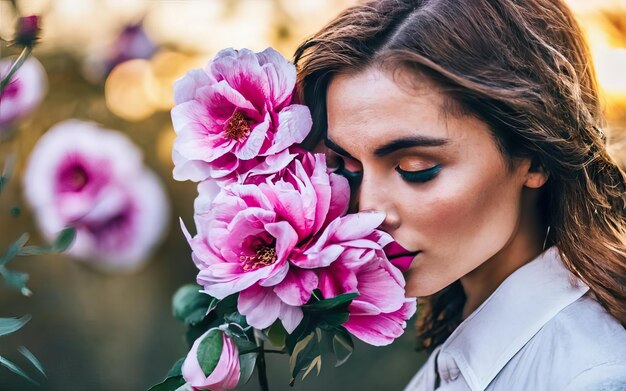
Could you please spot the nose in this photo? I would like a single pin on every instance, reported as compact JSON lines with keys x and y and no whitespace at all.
{"x":374,"y":195}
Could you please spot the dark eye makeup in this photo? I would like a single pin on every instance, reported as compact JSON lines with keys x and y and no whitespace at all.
{"x":421,"y":176}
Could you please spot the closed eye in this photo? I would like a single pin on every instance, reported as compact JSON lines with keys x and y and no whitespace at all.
{"x":421,"y":175}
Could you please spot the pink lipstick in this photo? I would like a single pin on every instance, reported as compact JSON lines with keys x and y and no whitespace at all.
{"x":399,"y":256}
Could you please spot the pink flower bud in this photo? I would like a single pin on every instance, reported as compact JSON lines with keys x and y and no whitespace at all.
{"x":225,"y":374}
{"x":27,"y":30}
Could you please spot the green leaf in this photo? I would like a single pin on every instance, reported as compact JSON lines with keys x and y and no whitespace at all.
{"x":15,"y":369}
{"x":305,"y":327}
{"x":227,"y":306}
{"x":343,"y":346}
{"x":340,"y":301}
{"x":17,"y":280}
{"x":190,"y":306}
{"x":210,"y":350}
{"x":236,"y":318}
{"x":169,"y":384}
{"x":14,"y":248}
{"x":31,"y":357}
{"x":277,"y":334}
{"x":330,"y":320}
{"x":195,"y":331}
{"x":177,"y":368}
{"x":305,"y":351}
{"x":64,"y":239}
{"x":62,"y":242}
{"x":244,"y":344}
{"x":246,"y":367}
{"x":173,"y":380}
{"x":10,"y":325}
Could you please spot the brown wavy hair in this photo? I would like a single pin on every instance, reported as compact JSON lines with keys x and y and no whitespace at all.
{"x":524,"y":68}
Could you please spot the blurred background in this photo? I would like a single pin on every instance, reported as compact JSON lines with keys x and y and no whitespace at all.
{"x":114,"y":62}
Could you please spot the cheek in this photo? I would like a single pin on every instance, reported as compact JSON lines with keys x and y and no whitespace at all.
{"x":461,"y":222}
{"x":471,"y":203}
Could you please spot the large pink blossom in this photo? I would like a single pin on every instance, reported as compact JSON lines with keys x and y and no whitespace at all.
{"x":224,"y":376}
{"x":249,"y":235}
{"x":94,"y":180}
{"x":231,"y":115}
{"x":352,"y":248}
{"x":23,"y":93}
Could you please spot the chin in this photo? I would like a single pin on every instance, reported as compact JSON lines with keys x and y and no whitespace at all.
{"x":420,"y":284}
{"x":421,"y":291}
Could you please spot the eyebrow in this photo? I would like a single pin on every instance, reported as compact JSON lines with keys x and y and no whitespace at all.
{"x":330,"y":144}
{"x":394,"y":145}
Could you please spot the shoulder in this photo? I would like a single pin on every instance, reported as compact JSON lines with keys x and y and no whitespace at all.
{"x":607,"y":377}
{"x":586,"y":327}
{"x":582,"y":347}
{"x":583,"y":340}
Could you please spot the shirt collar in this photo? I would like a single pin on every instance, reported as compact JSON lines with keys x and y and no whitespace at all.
{"x":482,"y":345}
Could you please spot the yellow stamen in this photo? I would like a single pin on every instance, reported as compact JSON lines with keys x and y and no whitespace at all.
{"x":237,"y":127}
{"x":265,"y":256}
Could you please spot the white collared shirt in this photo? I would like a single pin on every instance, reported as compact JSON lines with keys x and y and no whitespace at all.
{"x":540,"y":330}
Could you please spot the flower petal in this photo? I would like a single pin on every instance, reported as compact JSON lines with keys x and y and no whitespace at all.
{"x":297,"y":286}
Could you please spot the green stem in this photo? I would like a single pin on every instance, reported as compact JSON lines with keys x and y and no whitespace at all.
{"x":14,"y":67}
{"x":261,"y":369}
{"x":274,"y":351}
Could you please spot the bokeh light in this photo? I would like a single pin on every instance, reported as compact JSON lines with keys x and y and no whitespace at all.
{"x":95,"y":75}
{"x":127,"y":90}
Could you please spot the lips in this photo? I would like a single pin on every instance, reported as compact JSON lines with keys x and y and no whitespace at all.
{"x":399,"y":256}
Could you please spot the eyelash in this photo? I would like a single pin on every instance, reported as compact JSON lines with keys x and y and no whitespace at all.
{"x":421,"y":176}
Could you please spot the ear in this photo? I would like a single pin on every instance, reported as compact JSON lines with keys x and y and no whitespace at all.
{"x":536,"y":176}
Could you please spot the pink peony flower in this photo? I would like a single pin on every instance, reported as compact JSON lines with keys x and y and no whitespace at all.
{"x":353,"y":250}
{"x":224,"y":376}
{"x":23,"y":93}
{"x":93,"y":179}
{"x":378,"y":315}
{"x":249,"y":234}
{"x":235,"y":110}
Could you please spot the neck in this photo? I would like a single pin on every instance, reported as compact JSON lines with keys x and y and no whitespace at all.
{"x":525,"y":245}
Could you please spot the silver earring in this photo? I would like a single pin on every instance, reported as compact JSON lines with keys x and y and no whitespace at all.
{"x":545,"y":240}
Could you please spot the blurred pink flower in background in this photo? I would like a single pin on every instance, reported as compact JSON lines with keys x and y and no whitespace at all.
{"x":27,"y":31}
{"x":94,"y":179}
{"x":225,"y":375}
{"x":23,"y":93}
{"x":132,"y":43}
{"x":235,"y":110}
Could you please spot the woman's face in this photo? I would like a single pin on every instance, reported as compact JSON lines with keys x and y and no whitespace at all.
{"x":441,"y":179}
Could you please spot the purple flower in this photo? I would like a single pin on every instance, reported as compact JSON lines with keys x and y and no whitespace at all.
{"x":94,"y":180}
{"x":23,"y":93}
{"x":225,"y":375}
{"x":234,"y":113}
